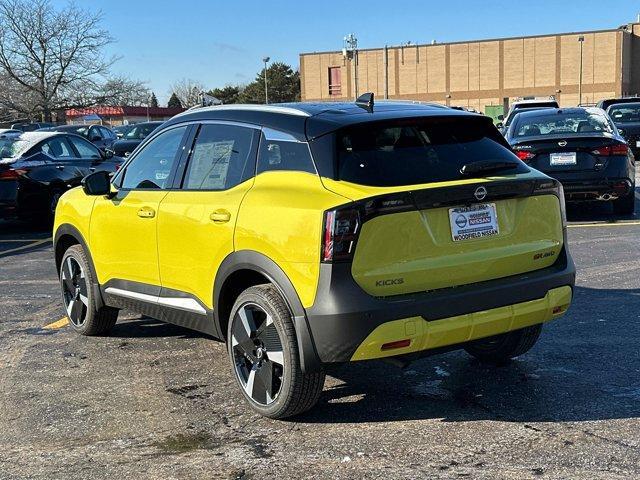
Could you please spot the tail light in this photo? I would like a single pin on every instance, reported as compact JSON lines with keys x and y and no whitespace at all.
{"x":12,"y":174}
{"x":341,"y":229}
{"x":525,"y":155}
{"x":608,"y":151}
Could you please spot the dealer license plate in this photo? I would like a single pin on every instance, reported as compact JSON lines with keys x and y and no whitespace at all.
{"x":564,"y":158}
{"x":475,"y":221}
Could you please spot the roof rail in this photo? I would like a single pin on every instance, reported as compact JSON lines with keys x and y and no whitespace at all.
{"x":288,"y":110}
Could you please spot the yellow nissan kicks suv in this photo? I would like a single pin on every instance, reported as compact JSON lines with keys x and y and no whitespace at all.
{"x":309,"y":234}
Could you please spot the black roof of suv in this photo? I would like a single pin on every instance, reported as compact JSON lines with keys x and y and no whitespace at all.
{"x":306,"y":121}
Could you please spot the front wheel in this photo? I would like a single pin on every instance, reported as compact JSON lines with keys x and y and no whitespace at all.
{"x":78,"y":296}
{"x":264,"y":355}
{"x":503,"y":347}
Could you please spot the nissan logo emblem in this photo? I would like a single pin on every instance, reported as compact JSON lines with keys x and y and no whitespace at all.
{"x":562,"y":143}
{"x":480,"y":193}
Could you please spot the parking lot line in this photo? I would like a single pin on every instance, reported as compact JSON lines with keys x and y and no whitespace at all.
{"x":601,"y":225}
{"x":64,"y":321}
{"x":24,"y":247}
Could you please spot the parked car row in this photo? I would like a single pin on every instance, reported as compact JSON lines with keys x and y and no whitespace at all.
{"x":590,"y":150}
{"x":36,"y":168}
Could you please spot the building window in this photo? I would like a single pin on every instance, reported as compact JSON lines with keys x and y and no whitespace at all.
{"x":335,"y":82}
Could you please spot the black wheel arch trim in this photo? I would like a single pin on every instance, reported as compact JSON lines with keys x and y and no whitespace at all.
{"x":67,"y":229}
{"x":252,"y":260}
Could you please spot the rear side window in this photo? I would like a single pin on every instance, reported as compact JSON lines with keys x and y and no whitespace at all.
{"x":220,"y":158}
{"x":280,"y":151}
{"x":415,"y":151}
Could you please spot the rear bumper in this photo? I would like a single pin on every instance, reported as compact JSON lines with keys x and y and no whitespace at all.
{"x":344,"y":316}
{"x":586,"y":190}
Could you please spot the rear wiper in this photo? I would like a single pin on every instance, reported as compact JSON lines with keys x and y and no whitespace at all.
{"x":486,"y":166}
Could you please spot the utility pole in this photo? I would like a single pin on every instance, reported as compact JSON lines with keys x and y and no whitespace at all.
{"x":581,"y":41}
{"x":266,"y":89}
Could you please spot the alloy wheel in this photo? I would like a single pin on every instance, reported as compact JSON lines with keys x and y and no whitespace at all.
{"x":257,"y":353}
{"x":74,"y":291}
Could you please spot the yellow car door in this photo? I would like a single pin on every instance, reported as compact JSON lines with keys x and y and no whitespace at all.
{"x":123,"y":231}
{"x":196,"y":222}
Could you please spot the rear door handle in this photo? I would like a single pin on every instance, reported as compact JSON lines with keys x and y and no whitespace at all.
{"x":146,"y":212}
{"x":220,"y":216}
{"x":60,"y":167}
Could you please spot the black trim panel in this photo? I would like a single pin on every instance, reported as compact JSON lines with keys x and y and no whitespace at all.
{"x":343,"y":314}
{"x":200,"y":322}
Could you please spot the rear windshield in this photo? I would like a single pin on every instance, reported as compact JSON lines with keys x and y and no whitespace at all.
{"x":11,"y":147}
{"x":625,"y":113}
{"x":561,"y":124}
{"x":417,"y":151}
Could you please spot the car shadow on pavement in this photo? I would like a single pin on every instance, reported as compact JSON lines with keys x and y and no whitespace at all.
{"x":585,"y":367}
{"x":146,"y":327}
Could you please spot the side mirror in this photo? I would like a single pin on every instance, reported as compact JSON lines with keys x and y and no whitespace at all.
{"x":108,"y":153}
{"x":98,"y":183}
{"x":499,"y":125}
{"x":500,"y":117}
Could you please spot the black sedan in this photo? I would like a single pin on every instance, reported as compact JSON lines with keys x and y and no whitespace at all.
{"x":134,"y":137}
{"x":582,"y":148}
{"x":626,"y":117}
{"x":36,"y":168}
{"x":99,"y":135}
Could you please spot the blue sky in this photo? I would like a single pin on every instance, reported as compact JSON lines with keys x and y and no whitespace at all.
{"x":219,"y":43}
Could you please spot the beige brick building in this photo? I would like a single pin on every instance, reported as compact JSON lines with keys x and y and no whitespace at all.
{"x":485,"y":73}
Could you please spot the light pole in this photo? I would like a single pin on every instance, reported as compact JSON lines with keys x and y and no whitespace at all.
{"x":581,"y":41}
{"x":266,"y":90}
{"x":350,"y":51}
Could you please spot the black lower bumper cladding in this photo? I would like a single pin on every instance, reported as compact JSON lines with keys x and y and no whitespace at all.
{"x":343,"y":315}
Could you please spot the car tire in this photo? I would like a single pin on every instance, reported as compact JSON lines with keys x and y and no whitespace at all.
{"x":501,"y":348}
{"x":625,"y":205}
{"x":264,"y":357}
{"x":78,"y":297}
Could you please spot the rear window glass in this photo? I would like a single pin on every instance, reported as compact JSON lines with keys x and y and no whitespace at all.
{"x":625,"y":113}
{"x":413,"y":152}
{"x":561,"y":124}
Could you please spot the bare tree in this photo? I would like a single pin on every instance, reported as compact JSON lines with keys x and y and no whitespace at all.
{"x":52,"y":58}
{"x":188,"y":92}
{"x":124,"y":91}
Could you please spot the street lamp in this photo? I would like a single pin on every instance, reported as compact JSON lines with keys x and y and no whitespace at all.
{"x":350,"y":51}
{"x":266,"y":90}
{"x":581,"y":41}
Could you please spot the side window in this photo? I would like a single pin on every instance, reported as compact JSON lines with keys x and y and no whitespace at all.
{"x":58,"y":147}
{"x":94,"y":132}
{"x":151,"y":167}
{"x":106,"y":133}
{"x":220,"y":158}
{"x":280,"y":151}
{"x":84,"y":148}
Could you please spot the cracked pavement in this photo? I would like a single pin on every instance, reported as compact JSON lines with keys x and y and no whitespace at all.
{"x":153,"y":400}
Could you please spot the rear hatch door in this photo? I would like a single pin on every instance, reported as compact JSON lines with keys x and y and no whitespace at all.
{"x":424,"y":226}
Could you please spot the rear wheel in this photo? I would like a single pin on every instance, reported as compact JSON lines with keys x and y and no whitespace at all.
{"x":625,"y":205}
{"x":264,"y":355}
{"x":78,"y":297}
{"x":503,"y":347}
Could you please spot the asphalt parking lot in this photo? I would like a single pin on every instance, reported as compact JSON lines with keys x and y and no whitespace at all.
{"x":157,"y":401}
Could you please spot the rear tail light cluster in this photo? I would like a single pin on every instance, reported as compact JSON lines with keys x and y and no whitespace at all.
{"x":341,"y":229}
{"x":11,"y":174}
{"x":608,"y":151}
{"x":525,"y":155}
